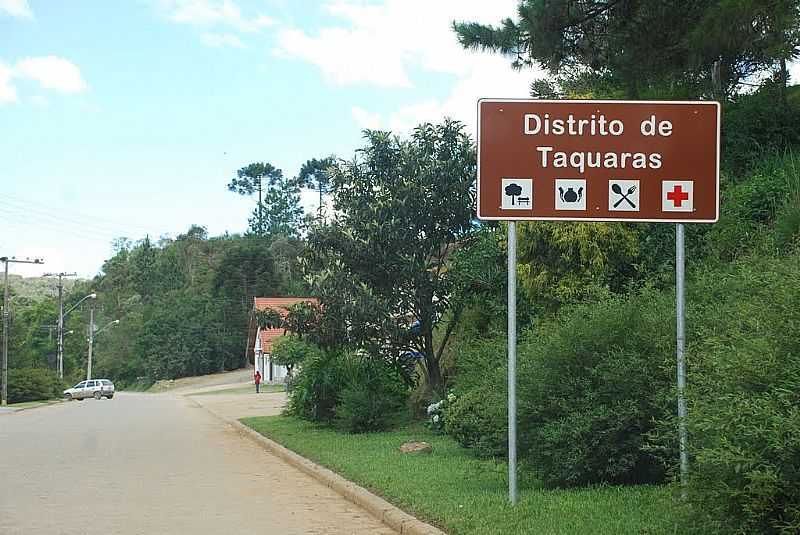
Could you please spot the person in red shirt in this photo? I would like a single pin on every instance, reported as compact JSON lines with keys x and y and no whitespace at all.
{"x":258,"y":380}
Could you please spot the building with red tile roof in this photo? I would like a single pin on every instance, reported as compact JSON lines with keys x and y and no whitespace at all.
{"x":259,"y":341}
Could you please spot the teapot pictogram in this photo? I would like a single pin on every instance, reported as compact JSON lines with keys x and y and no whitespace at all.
{"x":570,"y":195}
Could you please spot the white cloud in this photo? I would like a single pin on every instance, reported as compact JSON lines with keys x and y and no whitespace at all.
{"x":211,"y":13}
{"x":16,"y":8}
{"x":40,"y":101}
{"x":8,"y":93}
{"x":52,"y":72}
{"x":374,"y":45}
{"x":490,"y":77}
{"x":346,"y":57}
{"x":365,"y":119}
{"x":223,"y":39}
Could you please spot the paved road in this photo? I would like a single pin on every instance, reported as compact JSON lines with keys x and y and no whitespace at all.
{"x":154,"y":464}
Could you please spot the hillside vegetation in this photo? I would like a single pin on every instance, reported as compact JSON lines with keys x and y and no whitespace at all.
{"x":37,"y":288}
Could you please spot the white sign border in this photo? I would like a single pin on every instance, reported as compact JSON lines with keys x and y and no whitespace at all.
{"x":596,"y":219}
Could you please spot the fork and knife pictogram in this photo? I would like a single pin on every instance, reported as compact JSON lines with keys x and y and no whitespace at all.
{"x":618,"y":190}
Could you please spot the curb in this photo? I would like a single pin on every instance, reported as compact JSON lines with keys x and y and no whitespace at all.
{"x":13,"y":410}
{"x":395,"y":518}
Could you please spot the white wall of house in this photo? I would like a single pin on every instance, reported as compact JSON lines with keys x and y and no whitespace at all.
{"x":263,"y":361}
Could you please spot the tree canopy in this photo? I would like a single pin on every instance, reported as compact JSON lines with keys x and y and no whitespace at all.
{"x":637,"y":48}
{"x":315,"y":174}
{"x":401,"y":206}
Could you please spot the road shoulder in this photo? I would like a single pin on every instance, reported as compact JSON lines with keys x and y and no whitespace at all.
{"x":379,"y":508}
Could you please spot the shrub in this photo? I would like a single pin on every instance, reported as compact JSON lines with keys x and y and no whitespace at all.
{"x":787,"y":220}
{"x":592,"y":381}
{"x":436,"y":411}
{"x":358,"y":392}
{"x":33,"y":384}
{"x":759,"y":123}
{"x":744,"y":415}
{"x":373,"y":397}
{"x":477,"y":420}
{"x":317,"y":389}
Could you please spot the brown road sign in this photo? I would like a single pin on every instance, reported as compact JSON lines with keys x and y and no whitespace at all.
{"x":598,"y":160}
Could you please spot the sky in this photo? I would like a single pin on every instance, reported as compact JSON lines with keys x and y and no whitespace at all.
{"x":129,"y":118}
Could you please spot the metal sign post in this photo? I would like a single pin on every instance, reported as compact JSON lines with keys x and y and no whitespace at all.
{"x":680,"y":255}
{"x":512,"y":362}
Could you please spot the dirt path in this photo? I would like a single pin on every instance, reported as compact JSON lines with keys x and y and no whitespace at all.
{"x":157,"y":464}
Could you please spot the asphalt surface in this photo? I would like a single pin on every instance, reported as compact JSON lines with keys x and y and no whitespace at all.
{"x":154,"y":464}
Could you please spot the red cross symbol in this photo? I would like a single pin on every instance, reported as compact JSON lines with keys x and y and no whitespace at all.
{"x":677,"y":195}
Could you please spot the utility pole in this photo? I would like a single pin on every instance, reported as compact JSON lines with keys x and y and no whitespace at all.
{"x":60,"y":357}
{"x":91,"y":342}
{"x":6,"y":312}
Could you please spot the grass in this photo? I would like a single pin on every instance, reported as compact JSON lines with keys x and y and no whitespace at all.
{"x":467,"y":496}
{"x":141,"y":385}
{"x":29,"y":404}
{"x":250,"y":389}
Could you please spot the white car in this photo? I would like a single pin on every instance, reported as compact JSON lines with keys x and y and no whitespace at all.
{"x":96,"y":388}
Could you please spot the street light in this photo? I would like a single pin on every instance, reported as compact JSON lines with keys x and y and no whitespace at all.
{"x":61,"y":318}
{"x":73,"y":307}
{"x":109,"y":324}
{"x":92,"y":334}
{"x":4,"y":366}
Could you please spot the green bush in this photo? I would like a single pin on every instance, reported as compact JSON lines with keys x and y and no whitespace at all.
{"x":787,"y":220}
{"x":590,"y":383}
{"x":373,"y":397}
{"x":33,"y":384}
{"x":787,"y":224}
{"x":356,"y":392}
{"x":317,"y":389}
{"x":757,"y":124}
{"x":477,"y":420}
{"x":744,"y":394}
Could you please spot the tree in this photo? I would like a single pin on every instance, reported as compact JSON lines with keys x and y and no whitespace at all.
{"x":315,"y":174}
{"x":401,"y":208}
{"x":142,"y":268}
{"x":560,"y":264}
{"x":291,"y":350}
{"x":280,"y":214}
{"x":244,"y":271}
{"x":286,"y":252}
{"x":639,"y":48}
{"x":269,"y":318}
{"x":302,"y":318}
{"x":249,"y":180}
{"x":748,"y":36}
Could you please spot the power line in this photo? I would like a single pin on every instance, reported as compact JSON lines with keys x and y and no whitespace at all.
{"x":11,"y":219}
{"x":71,"y":214}
{"x":51,"y":216}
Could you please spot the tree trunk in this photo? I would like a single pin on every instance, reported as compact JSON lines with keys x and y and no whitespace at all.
{"x":784,"y":81}
{"x":435,"y":386}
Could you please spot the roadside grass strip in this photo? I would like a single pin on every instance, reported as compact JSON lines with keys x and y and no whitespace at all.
{"x":467,"y":496}
{"x":31,"y":404}
{"x":242,"y":390}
